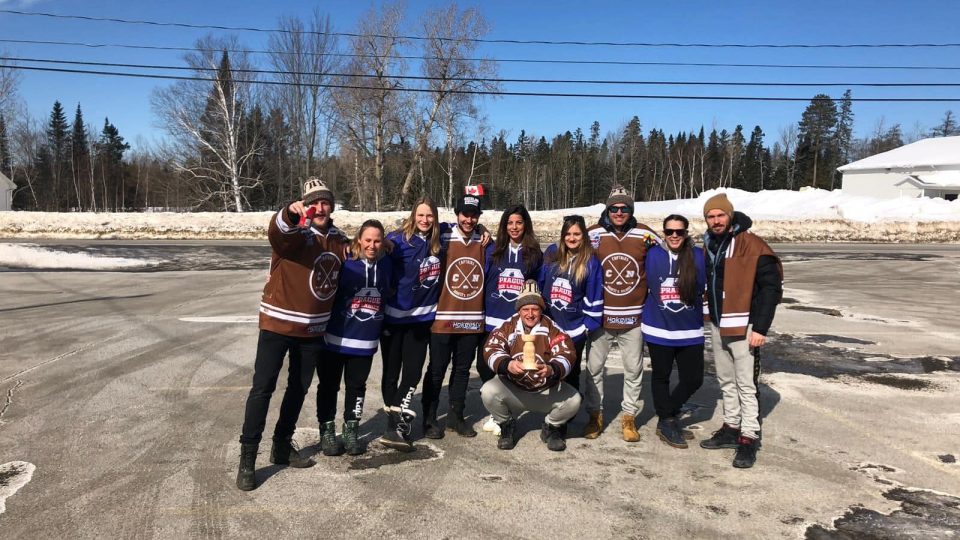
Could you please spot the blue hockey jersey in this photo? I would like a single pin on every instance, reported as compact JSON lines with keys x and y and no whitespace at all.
{"x":357,"y":315}
{"x":416,"y":275}
{"x":666,"y":320}
{"x":504,"y":284}
{"x":576,"y":308}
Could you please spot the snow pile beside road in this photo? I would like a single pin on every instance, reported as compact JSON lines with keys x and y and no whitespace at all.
{"x":27,"y":256}
{"x":810,"y":215}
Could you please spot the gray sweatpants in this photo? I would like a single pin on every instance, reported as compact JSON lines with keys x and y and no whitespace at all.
{"x":506,"y":401}
{"x":735,"y":373}
{"x":631,"y":346}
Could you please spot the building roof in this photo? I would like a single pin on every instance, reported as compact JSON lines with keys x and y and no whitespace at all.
{"x":933,"y":180}
{"x":925,"y":153}
{"x":6,"y":183}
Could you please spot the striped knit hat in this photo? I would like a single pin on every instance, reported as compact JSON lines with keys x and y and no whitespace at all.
{"x":314,"y":190}
{"x":529,"y":295}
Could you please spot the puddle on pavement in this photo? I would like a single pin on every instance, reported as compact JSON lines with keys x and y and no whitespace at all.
{"x":922,"y":514}
{"x":820,"y":355}
{"x":377,"y":457}
{"x":823,"y":311}
{"x":947,"y":458}
{"x":872,"y":257}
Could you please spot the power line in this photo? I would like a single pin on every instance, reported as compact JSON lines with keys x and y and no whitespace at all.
{"x":500,"y":60}
{"x":486,"y":92}
{"x":489,"y":40}
{"x":490,"y":80}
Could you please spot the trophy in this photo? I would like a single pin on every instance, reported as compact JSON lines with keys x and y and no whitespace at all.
{"x":529,"y":353}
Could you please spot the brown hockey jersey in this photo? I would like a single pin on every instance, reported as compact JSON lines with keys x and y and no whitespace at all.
{"x":624,"y":280}
{"x":465,"y":266}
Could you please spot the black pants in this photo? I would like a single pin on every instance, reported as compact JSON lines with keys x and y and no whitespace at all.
{"x":404,"y":350}
{"x":573,"y":378}
{"x":354,"y":371}
{"x":689,"y":362}
{"x":271,"y":348}
{"x":482,"y":368}
{"x":462,"y":348}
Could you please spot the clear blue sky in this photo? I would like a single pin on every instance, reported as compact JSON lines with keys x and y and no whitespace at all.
{"x":126,"y":101}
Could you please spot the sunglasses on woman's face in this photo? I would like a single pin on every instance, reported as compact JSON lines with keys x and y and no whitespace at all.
{"x":618,"y":209}
{"x":675,"y":232}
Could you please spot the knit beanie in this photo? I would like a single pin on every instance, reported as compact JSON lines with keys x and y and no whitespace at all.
{"x":314,"y":190}
{"x":619,"y":195}
{"x":529,"y":295}
{"x":718,"y":202}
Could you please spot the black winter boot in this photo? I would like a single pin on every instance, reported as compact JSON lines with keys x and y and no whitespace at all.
{"x":431,"y":427}
{"x":457,"y":423}
{"x":507,"y":440}
{"x":286,"y":453}
{"x":351,"y":438}
{"x":746,"y":454}
{"x":550,"y":434}
{"x":248,"y":464}
{"x":725,"y":437}
{"x":668,"y":429}
{"x":329,"y":444}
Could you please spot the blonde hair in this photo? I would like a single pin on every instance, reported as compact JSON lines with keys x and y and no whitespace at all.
{"x":409,"y":226}
{"x":355,"y":244}
{"x":574,"y":262}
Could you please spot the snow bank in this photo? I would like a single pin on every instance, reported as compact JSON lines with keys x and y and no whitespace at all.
{"x":28,"y":256}
{"x":810,"y":215}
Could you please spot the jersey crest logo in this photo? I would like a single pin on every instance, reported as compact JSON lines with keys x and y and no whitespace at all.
{"x":464,"y":278}
{"x":670,"y":296}
{"x":429,"y":272}
{"x":561,"y":294}
{"x":509,"y":284}
{"x":365,"y":305}
{"x":621,"y":274}
{"x":325,"y":276}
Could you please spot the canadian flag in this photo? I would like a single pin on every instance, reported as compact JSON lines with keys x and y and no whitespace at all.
{"x":476,"y":190}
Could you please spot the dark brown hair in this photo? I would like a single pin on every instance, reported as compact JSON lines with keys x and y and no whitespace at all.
{"x":574,"y":263}
{"x":529,"y":245}
{"x":687,"y":270}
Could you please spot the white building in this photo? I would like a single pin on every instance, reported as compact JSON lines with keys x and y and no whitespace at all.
{"x":6,"y":192}
{"x":926,"y":168}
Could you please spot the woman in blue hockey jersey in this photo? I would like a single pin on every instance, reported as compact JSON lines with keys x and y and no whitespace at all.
{"x":672,"y":323}
{"x":572,"y":286}
{"x":352,"y":336}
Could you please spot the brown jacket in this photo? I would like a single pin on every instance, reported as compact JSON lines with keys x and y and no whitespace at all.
{"x":622,"y":259}
{"x":304,"y":273}
{"x":740,"y":270}
{"x":552,"y":347}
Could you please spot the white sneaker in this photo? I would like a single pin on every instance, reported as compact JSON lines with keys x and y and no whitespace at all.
{"x":492,"y":426}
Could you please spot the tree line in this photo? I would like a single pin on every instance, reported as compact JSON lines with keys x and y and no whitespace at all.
{"x":243,"y":136}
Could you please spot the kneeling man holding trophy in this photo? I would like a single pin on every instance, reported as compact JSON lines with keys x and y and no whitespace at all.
{"x":531,"y":356}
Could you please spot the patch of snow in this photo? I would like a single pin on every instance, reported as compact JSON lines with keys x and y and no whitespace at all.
{"x":31,"y":256}
{"x":13,"y":476}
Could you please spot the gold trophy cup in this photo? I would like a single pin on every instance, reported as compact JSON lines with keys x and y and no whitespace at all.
{"x":529,"y":353}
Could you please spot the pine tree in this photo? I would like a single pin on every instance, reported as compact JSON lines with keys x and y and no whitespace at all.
{"x":816,"y":129}
{"x":57,"y":194}
{"x":947,"y":127}
{"x":842,"y":136}
{"x":110,"y":149}
{"x":80,"y":160}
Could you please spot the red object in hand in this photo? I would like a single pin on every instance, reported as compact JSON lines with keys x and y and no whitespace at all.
{"x":307,"y":217}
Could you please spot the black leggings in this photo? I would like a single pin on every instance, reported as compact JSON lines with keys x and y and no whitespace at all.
{"x":404,"y":350}
{"x":271,"y":348}
{"x":573,"y":378}
{"x":354,"y":370}
{"x":689,"y":361}
{"x":463,"y":349}
{"x":482,"y":368}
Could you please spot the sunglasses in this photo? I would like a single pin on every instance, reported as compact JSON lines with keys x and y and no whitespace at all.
{"x":675,"y":232}
{"x":618,"y":210}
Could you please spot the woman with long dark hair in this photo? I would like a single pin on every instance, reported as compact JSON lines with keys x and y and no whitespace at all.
{"x":351,"y":337}
{"x":572,"y":286}
{"x":672,"y":323}
{"x":516,"y":258}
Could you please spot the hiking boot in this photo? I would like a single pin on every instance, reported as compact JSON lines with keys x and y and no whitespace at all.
{"x":329,"y":444}
{"x":746,"y":454}
{"x":351,"y":438}
{"x":628,"y":423}
{"x":668,"y":429}
{"x":506,"y":440}
{"x":594,"y":425}
{"x":457,"y":422}
{"x":725,"y":437}
{"x":431,"y":427}
{"x":286,"y":453}
{"x":248,"y":462}
{"x":550,"y":434}
{"x":395,"y":437}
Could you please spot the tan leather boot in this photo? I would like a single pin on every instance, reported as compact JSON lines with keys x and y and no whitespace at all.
{"x":629,"y":424}
{"x":594,"y":425}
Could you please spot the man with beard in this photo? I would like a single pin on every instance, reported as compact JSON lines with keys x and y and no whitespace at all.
{"x":744,"y":286}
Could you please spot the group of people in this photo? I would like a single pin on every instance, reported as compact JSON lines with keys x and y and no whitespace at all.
{"x":528,"y":318}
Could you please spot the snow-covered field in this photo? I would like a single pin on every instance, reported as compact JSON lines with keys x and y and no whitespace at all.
{"x":784,"y":216}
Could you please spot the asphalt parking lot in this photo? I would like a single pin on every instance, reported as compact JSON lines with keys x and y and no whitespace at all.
{"x":125,"y":392}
